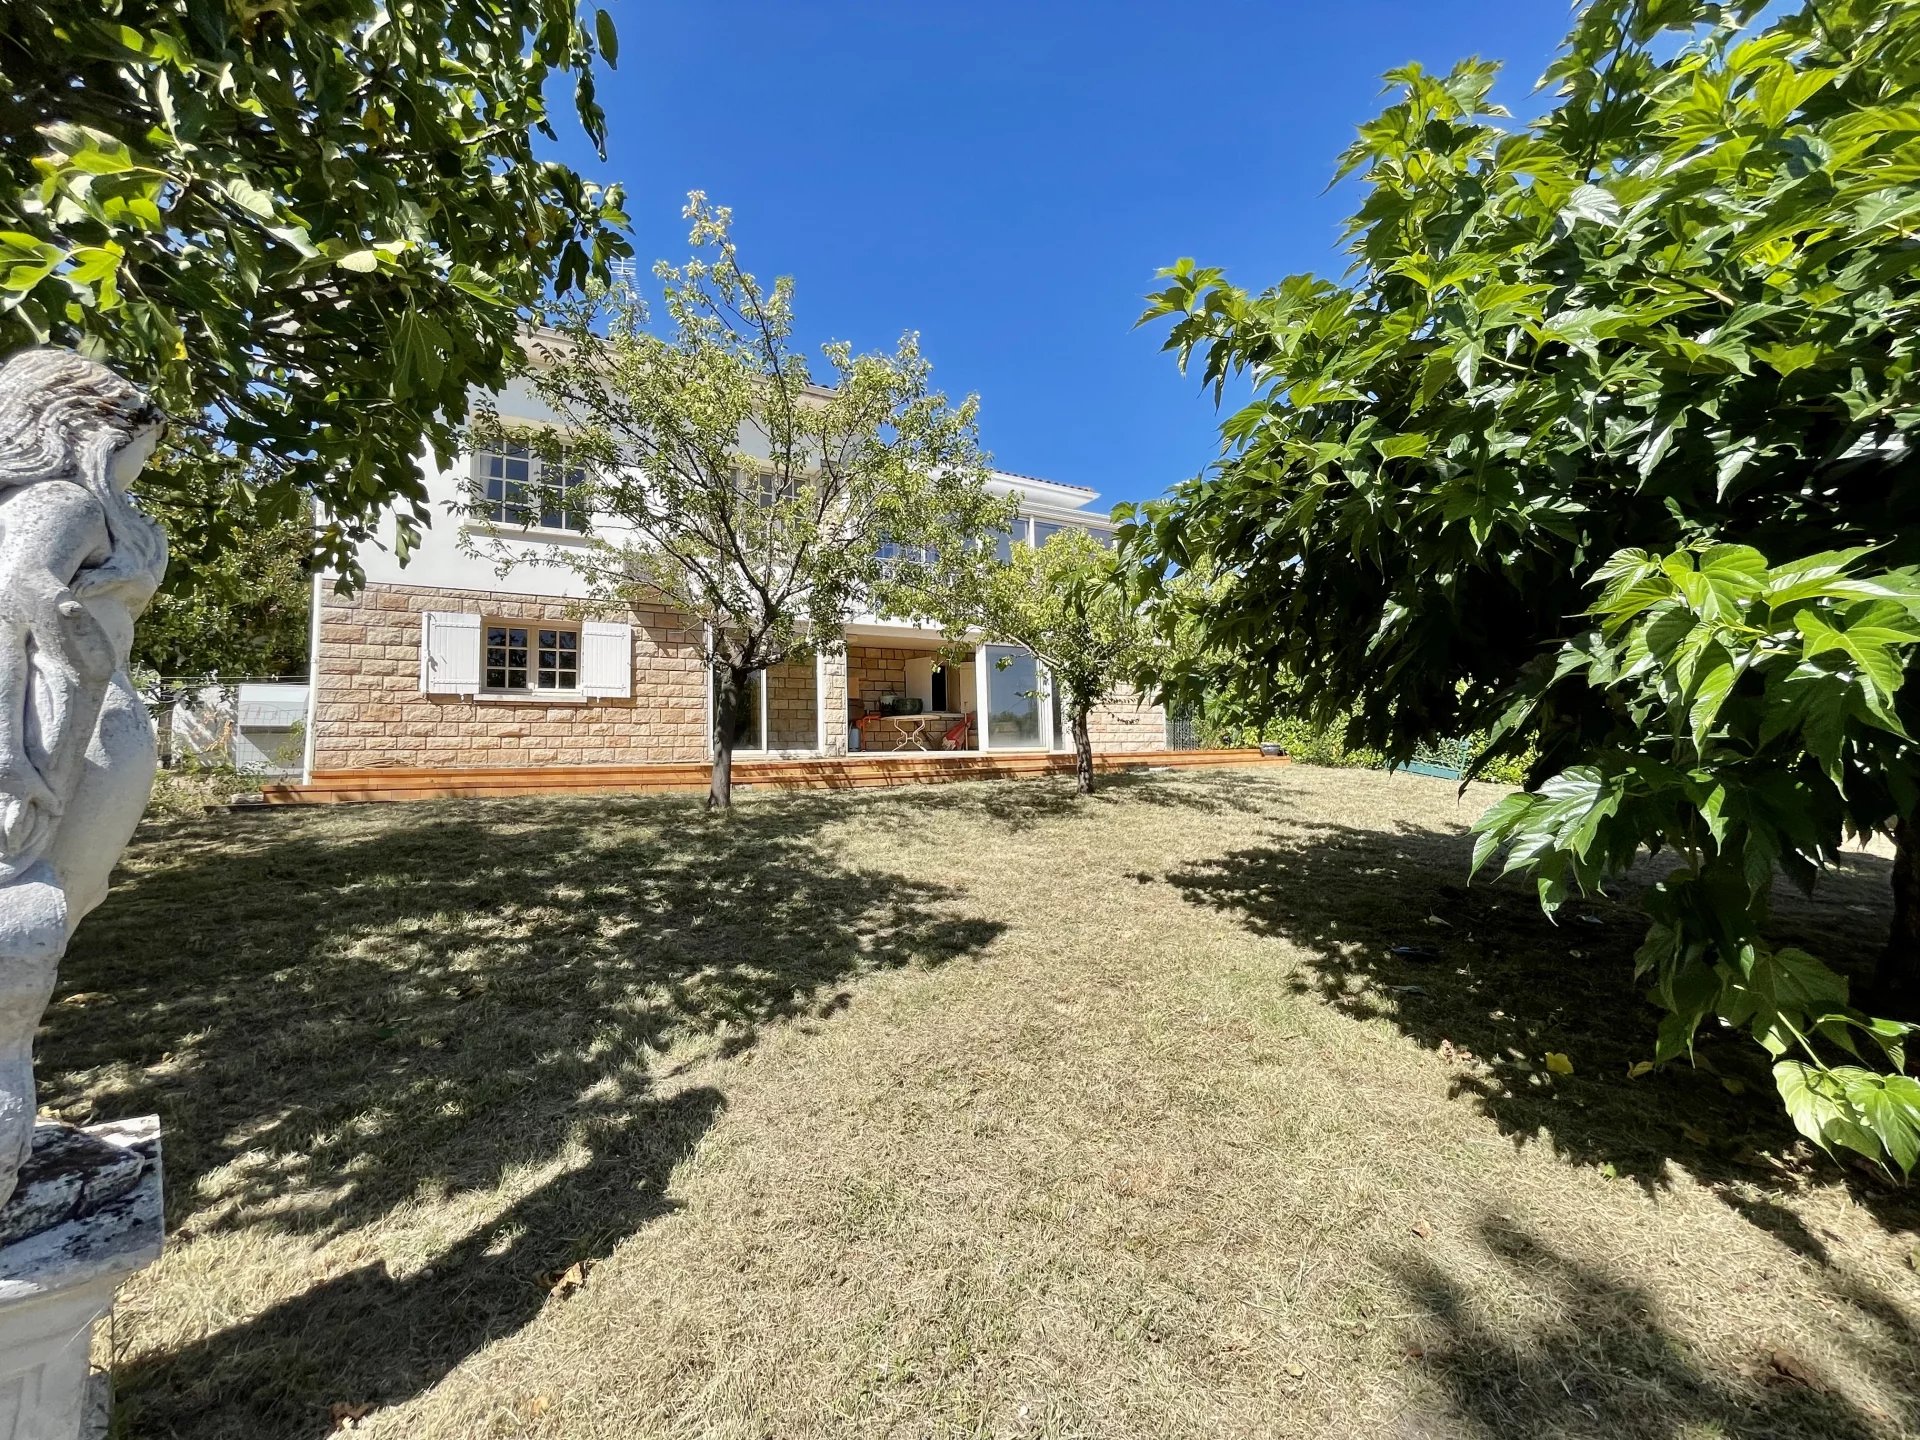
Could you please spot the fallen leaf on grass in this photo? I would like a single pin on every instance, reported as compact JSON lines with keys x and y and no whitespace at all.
{"x":1297,"y":1371}
{"x":1422,"y":1230}
{"x":1639,"y":1068}
{"x":1558,"y":1063}
{"x":1789,"y":1367}
{"x":562,"y":1283}
{"x":346,"y":1417}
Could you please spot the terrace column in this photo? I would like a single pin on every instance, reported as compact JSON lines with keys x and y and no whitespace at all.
{"x":832,"y":670}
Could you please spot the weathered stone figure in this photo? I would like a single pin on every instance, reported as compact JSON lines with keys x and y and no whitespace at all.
{"x":77,"y":563}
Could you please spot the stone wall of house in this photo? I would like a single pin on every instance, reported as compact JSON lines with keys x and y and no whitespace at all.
{"x":370,"y":710}
{"x":834,"y":705}
{"x":1126,"y":725}
{"x":793,"y":706}
{"x":876,"y":670}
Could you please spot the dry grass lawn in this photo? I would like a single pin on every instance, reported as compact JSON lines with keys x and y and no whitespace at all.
{"x":962,"y":1111}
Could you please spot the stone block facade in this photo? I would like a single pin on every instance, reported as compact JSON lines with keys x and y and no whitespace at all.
{"x":876,"y":670}
{"x":793,"y":706}
{"x":1127,"y":725}
{"x":370,"y":710}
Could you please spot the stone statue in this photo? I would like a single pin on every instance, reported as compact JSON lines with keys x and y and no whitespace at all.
{"x":78,"y":562}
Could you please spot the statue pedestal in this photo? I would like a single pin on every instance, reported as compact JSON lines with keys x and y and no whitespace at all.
{"x":96,"y":1193}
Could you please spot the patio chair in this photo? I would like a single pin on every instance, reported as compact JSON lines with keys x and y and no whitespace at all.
{"x":958,"y":733}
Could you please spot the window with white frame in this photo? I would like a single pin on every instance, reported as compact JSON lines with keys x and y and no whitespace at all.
{"x":765,"y":487}
{"x":779,"y":711}
{"x":513,"y":486}
{"x":1028,"y":530}
{"x":893,"y":555}
{"x":531,"y":657}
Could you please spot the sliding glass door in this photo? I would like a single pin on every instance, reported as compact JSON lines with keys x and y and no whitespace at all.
{"x":781,"y":710}
{"x":750,"y":725}
{"x":1011,"y":680}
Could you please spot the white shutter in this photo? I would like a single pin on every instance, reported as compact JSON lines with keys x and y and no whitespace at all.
{"x":606,"y":659}
{"x":449,"y":653}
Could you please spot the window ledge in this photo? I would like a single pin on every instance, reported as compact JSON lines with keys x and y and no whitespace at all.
{"x":527,"y":532}
{"x":531,"y":697}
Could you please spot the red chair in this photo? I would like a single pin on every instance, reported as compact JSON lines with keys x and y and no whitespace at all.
{"x":957,"y":734}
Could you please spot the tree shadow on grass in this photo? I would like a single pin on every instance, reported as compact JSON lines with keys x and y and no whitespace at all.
{"x":1020,"y":805}
{"x":1503,"y":987}
{"x":366,"y":1339}
{"x":1601,"y":1363}
{"x":340,"y":1013}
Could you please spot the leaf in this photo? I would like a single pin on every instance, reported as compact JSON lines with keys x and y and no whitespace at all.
{"x":1778,"y":995}
{"x":1817,"y":1103}
{"x":26,"y":261}
{"x":1639,"y":1068}
{"x":360,"y":261}
{"x":1590,"y":202}
{"x":607,"y":36}
{"x":1558,"y":1063}
{"x":1710,"y":690}
{"x":248,"y":197}
{"x":560,"y":1284}
{"x":1789,"y":1367}
{"x":1401,"y":447}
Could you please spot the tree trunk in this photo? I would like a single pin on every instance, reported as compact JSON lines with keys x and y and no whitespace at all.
{"x":728,"y":695}
{"x":1082,"y":753}
{"x":1896,"y":980}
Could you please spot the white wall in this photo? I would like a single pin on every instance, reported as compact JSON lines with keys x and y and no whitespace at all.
{"x":442,"y":559}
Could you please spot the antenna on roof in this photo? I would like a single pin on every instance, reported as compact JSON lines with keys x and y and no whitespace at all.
{"x":623,"y":273}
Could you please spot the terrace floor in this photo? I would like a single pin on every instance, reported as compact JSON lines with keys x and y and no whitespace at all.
{"x":808,"y":772}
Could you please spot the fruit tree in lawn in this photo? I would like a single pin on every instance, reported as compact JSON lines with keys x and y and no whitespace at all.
{"x":1601,"y":445}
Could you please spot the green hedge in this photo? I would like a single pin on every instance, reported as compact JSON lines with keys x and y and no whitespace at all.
{"x":1313,"y":745}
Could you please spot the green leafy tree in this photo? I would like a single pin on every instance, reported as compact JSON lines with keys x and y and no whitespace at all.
{"x":1676,"y":311}
{"x":240,"y":603}
{"x":722,"y":478}
{"x":1064,"y":601}
{"x":311,"y":231}
{"x":1760,"y":725}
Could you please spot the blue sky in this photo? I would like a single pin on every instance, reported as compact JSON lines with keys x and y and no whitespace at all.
{"x":1006,"y":178}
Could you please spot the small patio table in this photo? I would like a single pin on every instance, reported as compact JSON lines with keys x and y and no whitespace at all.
{"x":913,"y":732}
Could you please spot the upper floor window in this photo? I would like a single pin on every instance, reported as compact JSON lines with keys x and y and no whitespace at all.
{"x":1029,"y":531}
{"x":892,"y":555}
{"x":515,"y":487}
{"x":766,"y":488}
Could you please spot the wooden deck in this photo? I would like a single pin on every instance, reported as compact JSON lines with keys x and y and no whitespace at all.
{"x":853,"y":772}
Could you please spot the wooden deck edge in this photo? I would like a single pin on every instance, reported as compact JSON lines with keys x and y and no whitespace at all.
{"x":856,"y":772}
